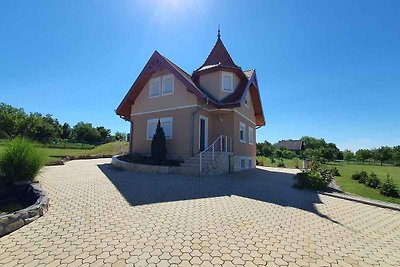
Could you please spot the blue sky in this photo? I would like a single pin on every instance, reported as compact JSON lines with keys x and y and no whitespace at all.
{"x":327,"y":69}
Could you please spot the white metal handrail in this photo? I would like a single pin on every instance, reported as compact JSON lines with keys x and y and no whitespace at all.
{"x":222,"y":144}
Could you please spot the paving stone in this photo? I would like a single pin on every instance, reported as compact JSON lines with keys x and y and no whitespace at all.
{"x":105,"y":217}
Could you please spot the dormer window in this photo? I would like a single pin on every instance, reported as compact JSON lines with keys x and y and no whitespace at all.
{"x":246,"y":101}
{"x":227,"y":81}
{"x":155,"y":87}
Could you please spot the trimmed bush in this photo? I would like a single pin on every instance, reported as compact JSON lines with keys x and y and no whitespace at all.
{"x":158,"y":144}
{"x":281,"y":164}
{"x":361,"y":177}
{"x":389,"y":188}
{"x":21,"y":160}
{"x":310,"y":180}
{"x":373,"y":181}
{"x":334,"y":171}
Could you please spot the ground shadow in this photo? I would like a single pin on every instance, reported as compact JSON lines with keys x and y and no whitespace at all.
{"x":258,"y":184}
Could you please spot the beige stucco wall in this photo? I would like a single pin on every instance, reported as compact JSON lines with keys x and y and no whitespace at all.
{"x":178,"y":146}
{"x":213,"y":83}
{"x":180,"y":97}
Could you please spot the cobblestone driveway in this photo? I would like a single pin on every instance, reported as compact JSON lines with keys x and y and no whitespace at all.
{"x":101,"y":216}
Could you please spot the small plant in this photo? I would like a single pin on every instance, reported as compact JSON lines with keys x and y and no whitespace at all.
{"x":272,"y":160}
{"x":311,"y":180}
{"x":334,"y":171}
{"x":21,"y":160}
{"x":314,"y":165}
{"x":257,"y":162}
{"x":389,"y":188}
{"x":158,"y":144}
{"x":372,"y":181}
{"x":297,"y":163}
{"x":361,"y":176}
{"x":281,"y":164}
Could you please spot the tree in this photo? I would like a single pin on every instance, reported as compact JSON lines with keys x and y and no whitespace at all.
{"x":158,"y":144}
{"x":348,"y":155}
{"x":396,"y":155}
{"x":382,"y":154}
{"x":120,"y":136}
{"x":85,"y":133}
{"x":39,"y":128}
{"x":66,"y":131}
{"x":103,"y":132}
{"x":363,"y":155}
{"x":265,"y":149}
{"x":11,"y":119}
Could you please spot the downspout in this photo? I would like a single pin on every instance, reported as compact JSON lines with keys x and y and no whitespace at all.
{"x":192,"y":126}
{"x":130,"y":139}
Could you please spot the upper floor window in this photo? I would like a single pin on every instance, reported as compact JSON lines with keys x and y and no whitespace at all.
{"x":227,"y":81}
{"x":155,"y":87}
{"x":242,"y":132}
{"x":163,"y":85}
{"x":246,"y":100}
{"x":251,"y":135}
{"x":166,"y":124}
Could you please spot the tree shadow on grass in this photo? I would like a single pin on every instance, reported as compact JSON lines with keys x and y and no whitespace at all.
{"x":258,"y":184}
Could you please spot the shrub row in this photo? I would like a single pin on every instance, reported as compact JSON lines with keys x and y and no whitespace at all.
{"x":386,"y":188}
{"x":312,"y":180}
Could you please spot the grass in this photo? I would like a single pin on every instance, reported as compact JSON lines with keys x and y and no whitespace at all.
{"x":289,"y":163}
{"x":55,"y":154}
{"x":348,"y":185}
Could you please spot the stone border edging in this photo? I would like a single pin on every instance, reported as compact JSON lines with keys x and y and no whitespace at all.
{"x":145,"y":168}
{"x":13,"y":221}
{"x":362,"y":200}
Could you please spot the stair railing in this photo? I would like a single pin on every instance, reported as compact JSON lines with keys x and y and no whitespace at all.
{"x":222,"y":144}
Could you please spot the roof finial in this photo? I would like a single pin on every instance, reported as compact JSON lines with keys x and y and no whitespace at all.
{"x":219,"y":32}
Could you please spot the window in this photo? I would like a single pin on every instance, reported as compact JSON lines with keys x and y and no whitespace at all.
{"x":166,"y":124}
{"x":163,"y":85}
{"x":167,"y":84}
{"x":155,"y":86}
{"x":250,"y":163}
{"x":251,"y":135}
{"x":242,"y":132}
{"x":242,"y":164}
{"x":227,"y":82}
{"x":246,"y":101}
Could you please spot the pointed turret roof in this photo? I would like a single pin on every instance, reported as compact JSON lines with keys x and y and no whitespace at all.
{"x":218,"y":56}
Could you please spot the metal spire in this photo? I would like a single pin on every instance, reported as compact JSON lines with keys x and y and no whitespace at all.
{"x":219,"y":32}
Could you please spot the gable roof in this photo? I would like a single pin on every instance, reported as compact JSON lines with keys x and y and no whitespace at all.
{"x":294,"y":145}
{"x":156,"y":62}
{"x":248,"y":83}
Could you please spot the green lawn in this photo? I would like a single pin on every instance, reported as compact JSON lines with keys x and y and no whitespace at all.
{"x":347,"y":184}
{"x":55,"y":154}
{"x":289,"y":163}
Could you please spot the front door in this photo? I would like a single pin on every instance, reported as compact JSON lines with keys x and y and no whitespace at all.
{"x":203,"y":133}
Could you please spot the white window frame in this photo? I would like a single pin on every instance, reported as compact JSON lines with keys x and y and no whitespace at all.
{"x":242,"y":127}
{"x":251,"y":135}
{"x":164,"y":77}
{"x":159,"y":88}
{"x":165,"y":119}
{"x":230,"y":74}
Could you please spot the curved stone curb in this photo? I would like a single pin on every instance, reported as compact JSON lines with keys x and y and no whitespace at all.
{"x":13,"y":221}
{"x":145,"y":168}
{"x":362,"y":200}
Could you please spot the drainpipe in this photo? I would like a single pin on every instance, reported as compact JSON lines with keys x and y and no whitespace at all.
{"x":130,"y":139}
{"x":192,"y":126}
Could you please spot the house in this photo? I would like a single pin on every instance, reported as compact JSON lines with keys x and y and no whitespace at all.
{"x":293,"y":145}
{"x":209,"y":118}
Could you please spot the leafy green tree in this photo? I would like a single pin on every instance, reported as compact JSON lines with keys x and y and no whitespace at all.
{"x":39,"y":128}
{"x":396,"y":155}
{"x":120,"y":136}
{"x":103,"y":132}
{"x":348,"y":155}
{"x":66,"y":131}
{"x":11,"y":119}
{"x":158,"y":144}
{"x":382,"y":154}
{"x":85,"y":133}
{"x":363,"y":155}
